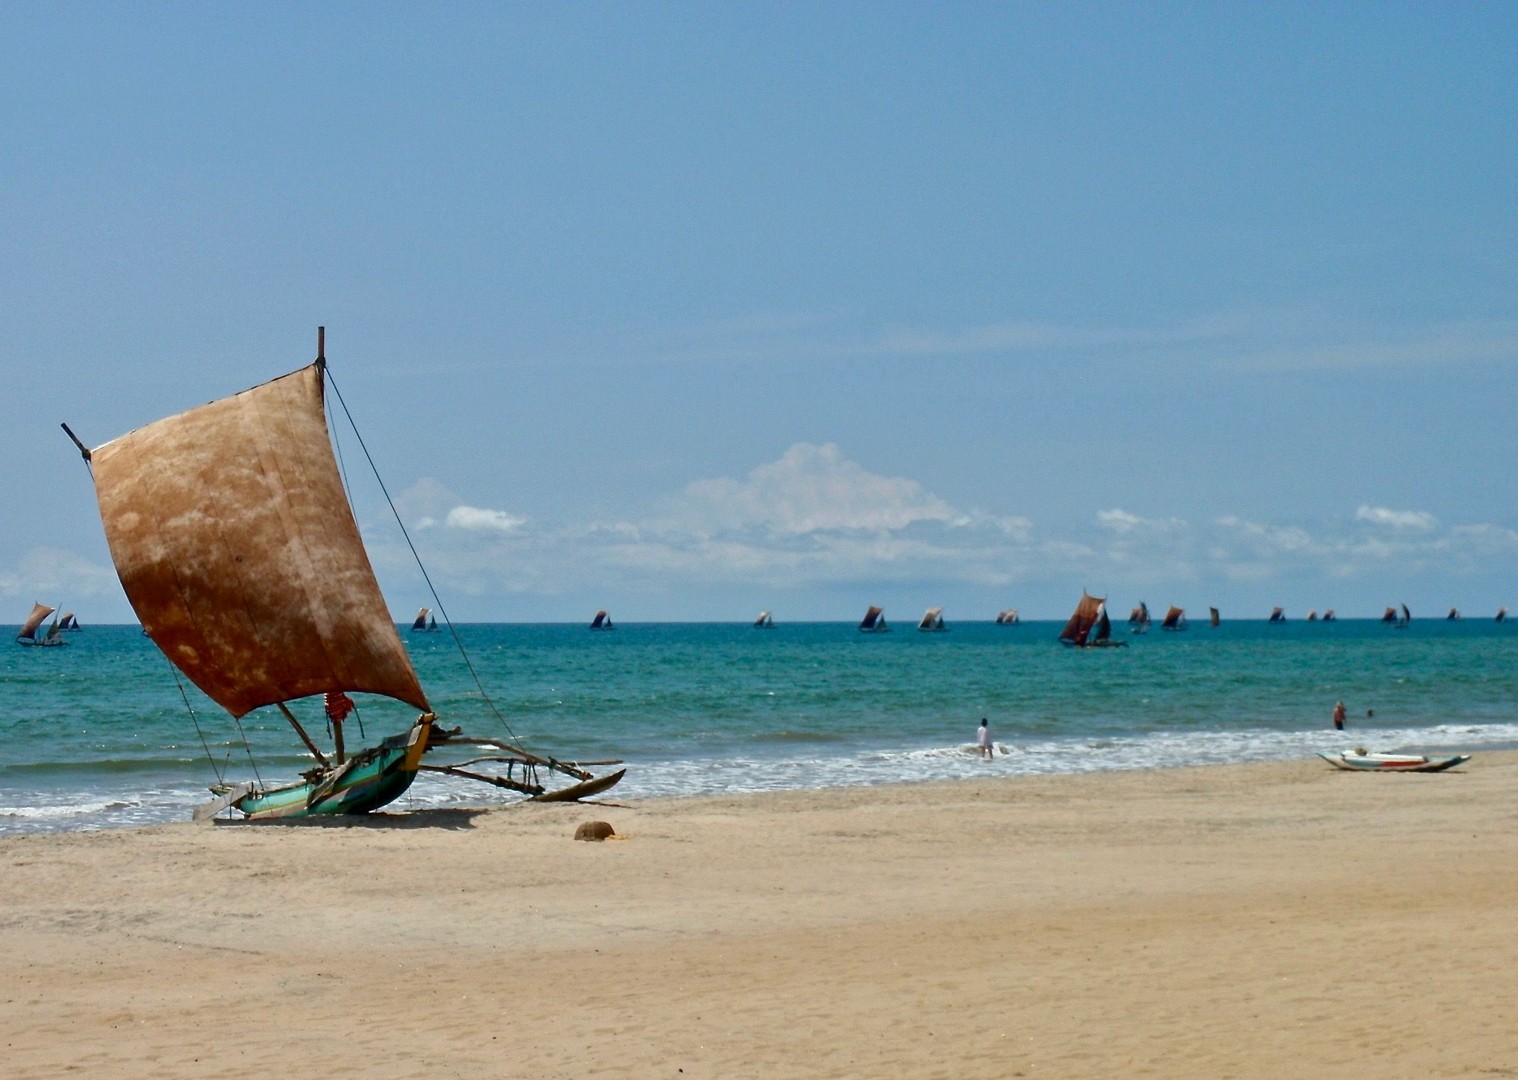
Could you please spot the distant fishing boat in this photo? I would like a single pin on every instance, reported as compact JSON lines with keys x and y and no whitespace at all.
{"x":1175,"y":619}
{"x":424,"y":621}
{"x":1312,"y":616}
{"x":1402,"y":622}
{"x":1138,"y":619}
{"x":27,"y":634}
{"x":237,"y":548}
{"x":1329,"y":616}
{"x":1502,"y":614}
{"x":873,"y":621}
{"x":602,"y":621}
{"x":69,"y":622}
{"x":932,"y":620}
{"x":1454,"y":613}
{"x":1212,"y":616}
{"x":1278,"y":615}
{"x":765,"y":621}
{"x":1089,"y":626}
{"x":1389,"y":615}
{"x":1009,"y":617}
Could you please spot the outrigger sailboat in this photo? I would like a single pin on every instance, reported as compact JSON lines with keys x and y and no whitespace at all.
{"x":27,"y":634}
{"x":1090,"y":627}
{"x":425,"y":621}
{"x":233,"y":538}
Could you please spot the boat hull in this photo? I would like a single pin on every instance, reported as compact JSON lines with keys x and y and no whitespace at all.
{"x":1392,"y":762}
{"x":357,"y":791}
{"x":366,"y":782}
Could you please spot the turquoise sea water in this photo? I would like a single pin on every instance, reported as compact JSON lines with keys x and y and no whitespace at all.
{"x":97,"y":734}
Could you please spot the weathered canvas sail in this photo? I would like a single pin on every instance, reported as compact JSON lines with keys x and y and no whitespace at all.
{"x":1175,"y":618}
{"x":873,"y":619}
{"x":34,"y":620}
{"x":237,"y":549}
{"x":1212,"y":616}
{"x":1079,"y":627}
{"x":420,"y":622}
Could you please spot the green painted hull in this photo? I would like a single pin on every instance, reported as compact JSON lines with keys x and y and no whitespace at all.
{"x":367,"y":782}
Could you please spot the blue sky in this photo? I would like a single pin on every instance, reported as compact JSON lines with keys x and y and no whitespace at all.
{"x":687,"y":311}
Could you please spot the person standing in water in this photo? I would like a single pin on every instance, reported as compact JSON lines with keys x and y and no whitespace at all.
{"x":1338,"y":716}
{"x":983,"y":740}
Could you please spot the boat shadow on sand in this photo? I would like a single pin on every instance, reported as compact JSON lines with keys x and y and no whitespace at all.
{"x":456,"y":818}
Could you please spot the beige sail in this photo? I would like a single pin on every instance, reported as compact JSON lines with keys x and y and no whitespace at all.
{"x":34,"y":620}
{"x":237,"y":549}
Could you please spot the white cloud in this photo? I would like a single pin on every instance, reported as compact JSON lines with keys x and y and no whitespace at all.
{"x":812,"y":489}
{"x":1397,"y":519}
{"x":476,"y":519}
{"x":58,"y":577}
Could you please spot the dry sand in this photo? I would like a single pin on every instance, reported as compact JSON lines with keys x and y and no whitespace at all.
{"x":1280,"y":920}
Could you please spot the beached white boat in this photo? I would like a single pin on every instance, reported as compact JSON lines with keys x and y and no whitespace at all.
{"x":1355,"y":761}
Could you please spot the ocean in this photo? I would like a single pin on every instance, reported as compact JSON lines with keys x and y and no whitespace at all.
{"x":101,"y":734}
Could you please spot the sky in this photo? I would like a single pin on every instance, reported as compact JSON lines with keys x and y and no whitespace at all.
{"x":689,"y":311}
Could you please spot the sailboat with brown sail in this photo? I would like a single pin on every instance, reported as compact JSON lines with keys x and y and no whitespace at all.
{"x":236,"y":546}
{"x":27,"y":634}
{"x":1090,"y":627}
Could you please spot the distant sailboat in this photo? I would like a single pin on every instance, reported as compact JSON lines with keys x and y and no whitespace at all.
{"x":1175,"y":619}
{"x":1329,"y":616}
{"x":932,"y":620}
{"x":1502,"y":614}
{"x":424,"y":620}
{"x":1008,"y":617}
{"x":1454,"y":613}
{"x":873,"y":621}
{"x":1278,"y":615}
{"x":27,"y":635}
{"x":1389,"y":615}
{"x":67,"y":621}
{"x":1213,"y":618}
{"x":602,"y":621}
{"x":765,"y":621}
{"x":1089,"y":626}
{"x":1407,"y":617}
{"x":1312,"y":616}
{"x":1138,"y":619}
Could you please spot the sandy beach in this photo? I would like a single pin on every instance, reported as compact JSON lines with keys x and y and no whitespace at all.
{"x":1240,"y":921}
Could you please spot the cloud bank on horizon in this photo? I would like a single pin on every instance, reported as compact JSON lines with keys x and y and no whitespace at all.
{"x":814,"y":518}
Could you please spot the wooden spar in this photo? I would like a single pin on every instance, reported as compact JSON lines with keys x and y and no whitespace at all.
{"x":311,"y":746}
{"x":337,"y":741}
{"x":84,"y":451}
{"x":498,"y":781}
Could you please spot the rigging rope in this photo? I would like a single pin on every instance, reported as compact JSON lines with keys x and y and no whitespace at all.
{"x":432,"y":589}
